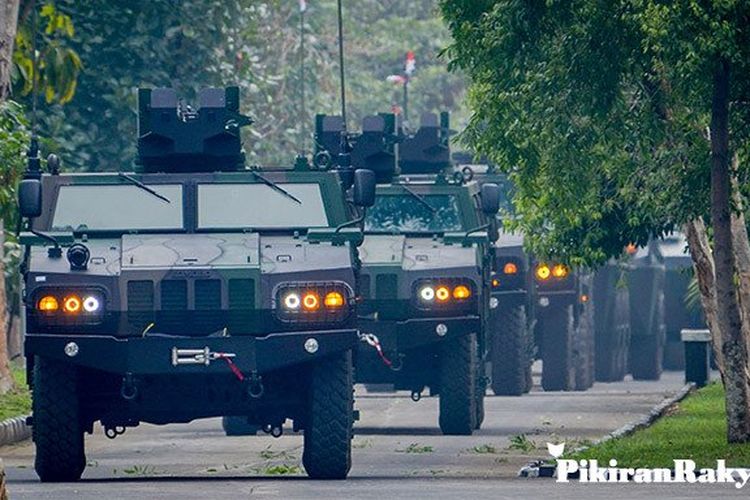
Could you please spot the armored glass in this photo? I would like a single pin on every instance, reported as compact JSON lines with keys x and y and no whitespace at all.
{"x":259,"y":206}
{"x":118,"y":208}
{"x":436,"y":213}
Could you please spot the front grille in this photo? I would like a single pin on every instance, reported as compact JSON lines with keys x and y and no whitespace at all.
{"x":194,"y":307}
{"x":140,"y":303}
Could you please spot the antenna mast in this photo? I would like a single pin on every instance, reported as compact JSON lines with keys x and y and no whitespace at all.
{"x":345,"y":159}
{"x":33,"y":165}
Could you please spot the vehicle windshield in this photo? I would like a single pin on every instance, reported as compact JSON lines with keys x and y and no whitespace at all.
{"x":259,"y":206}
{"x":118,"y":207}
{"x":403,"y":213}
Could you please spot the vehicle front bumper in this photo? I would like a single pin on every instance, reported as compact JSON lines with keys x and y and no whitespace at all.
{"x":162,"y":355}
{"x":400,"y":336}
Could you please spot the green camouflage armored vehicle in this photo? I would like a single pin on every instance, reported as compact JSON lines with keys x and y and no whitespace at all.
{"x":549,"y":311}
{"x":425,"y":279}
{"x":195,"y":288}
{"x":679,"y":311}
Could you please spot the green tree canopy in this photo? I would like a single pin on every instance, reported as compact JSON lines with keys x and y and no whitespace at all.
{"x":599,"y":111}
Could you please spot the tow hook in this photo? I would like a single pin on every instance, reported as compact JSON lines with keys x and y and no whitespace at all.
{"x":113,"y":432}
{"x":416,"y":395}
{"x":255,"y":388}
{"x":128,"y":390}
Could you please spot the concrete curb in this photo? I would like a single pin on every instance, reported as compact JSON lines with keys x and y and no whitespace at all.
{"x":14,"y":430}
{"x":540,"y":468}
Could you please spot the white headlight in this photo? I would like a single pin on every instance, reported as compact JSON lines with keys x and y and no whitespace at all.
{"x":292,"y":301}
{"x":427,"y":294}
{"x":91,"y":304}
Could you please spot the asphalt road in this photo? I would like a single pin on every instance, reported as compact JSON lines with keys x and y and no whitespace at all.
{"x":398,"y":453}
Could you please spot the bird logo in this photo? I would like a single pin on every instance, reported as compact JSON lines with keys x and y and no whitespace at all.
{"x":556,"y":450}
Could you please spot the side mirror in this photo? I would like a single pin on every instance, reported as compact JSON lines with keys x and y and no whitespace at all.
{"x":490,"y":199}
{"x":364,"y":188}
{"x":30,"y":198}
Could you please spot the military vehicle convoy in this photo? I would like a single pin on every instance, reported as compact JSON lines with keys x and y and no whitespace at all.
{"x":587,"y":325}
{"x":194,"y":288}
{"x":425,"y":267}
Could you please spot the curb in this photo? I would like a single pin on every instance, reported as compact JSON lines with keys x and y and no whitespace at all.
{"x":14,"y":430}
{"x":539,"y":468}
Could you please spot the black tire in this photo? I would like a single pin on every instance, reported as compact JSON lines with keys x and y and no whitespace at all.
{"x":584,"y":349}
{"x":511,"y":352}
{"x":611,"y":326}
{"x":57,"y":429}
{"x":481,"y":385}
{"x":458,"y":393}
{"x":238,"y":426}
{"x":647,"y":352}
{"x":557,"y":333}
{"x":328,"y":433}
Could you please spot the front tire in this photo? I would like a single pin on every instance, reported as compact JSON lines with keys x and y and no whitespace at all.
{"x":328,"y":433}
{"x":558,"y":373}
{"x":458,"y":392}
{"x":511,"y":352}
{"x":57,"y":429}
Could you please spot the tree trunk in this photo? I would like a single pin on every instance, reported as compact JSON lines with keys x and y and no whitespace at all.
{"x":8,"y":25}
{"x":6,"y":378}
{"x":741,"y":259}
{"x":729,"y":322}
{"x":703,"y":262}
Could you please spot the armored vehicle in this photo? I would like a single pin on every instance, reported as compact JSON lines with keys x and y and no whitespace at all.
{"x":679,"y":311}
{"x":425,"y":278}
{"x":549,"y":311}
{"x":194,"y":288}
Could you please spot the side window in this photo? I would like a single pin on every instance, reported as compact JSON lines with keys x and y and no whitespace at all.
{"x":478,"y":209}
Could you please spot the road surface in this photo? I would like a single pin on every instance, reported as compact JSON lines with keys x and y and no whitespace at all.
{"x":398,"y":452}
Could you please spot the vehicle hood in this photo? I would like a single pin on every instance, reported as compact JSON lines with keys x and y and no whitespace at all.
{"x":416,"y":254}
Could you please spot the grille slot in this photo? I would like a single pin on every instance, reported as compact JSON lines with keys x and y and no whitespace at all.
{"x":241,"y":294}
{"x":174,"y":295}
{"x":364,"y":285}
{"x":140,"y":303}
{"x":207,"y":295}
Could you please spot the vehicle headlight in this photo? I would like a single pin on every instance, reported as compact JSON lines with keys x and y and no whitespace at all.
{"x":313,"y":302}
{"x":445,"y":294}
{"x":63,"y":306}
{"x":546,"y":271}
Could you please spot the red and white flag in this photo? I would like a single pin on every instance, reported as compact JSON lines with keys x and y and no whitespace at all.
{"x":411,"y":63}
{"x":396,"y":79}
{"x":302,"y":5}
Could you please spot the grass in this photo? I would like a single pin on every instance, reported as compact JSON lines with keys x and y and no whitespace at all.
{"x":18,"y":401}
{"x":416,"y":448}
{"x":695,"y":429}
{"x":522,"y":443}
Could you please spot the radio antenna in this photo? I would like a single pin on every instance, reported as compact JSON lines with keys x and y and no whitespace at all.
{"x":33,"y":166}
{"x":344,"y":160}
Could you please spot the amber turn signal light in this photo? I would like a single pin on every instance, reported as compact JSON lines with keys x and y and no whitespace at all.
{"x":48,"y":303}
{"x":461,"y":292}
{"x":559,"y":271}
{"x":510,"y":268}
{"x":442,"y":293}
{"x":333,"y":299}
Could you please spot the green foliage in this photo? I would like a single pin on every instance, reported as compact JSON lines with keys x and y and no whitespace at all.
{"x":696,"y":429}
{"x":191,"y":44}
{"x":14,"y":140}
{"x":58,"y":64}
{"x":598,"y":111}
{"x":17,"y":401}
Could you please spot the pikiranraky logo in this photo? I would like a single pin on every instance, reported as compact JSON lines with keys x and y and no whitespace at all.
{"x":683,"y":471}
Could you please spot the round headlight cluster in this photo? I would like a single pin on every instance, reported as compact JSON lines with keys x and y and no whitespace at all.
{"x":439,"y":293}
{"x":546,"y":271}
{"x":69,"y":307}
{"x":313,"y":302}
